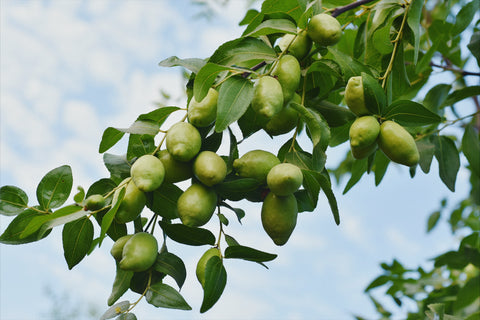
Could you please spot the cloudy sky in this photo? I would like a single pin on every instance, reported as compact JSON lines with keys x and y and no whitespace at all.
{"x":69,"y":69}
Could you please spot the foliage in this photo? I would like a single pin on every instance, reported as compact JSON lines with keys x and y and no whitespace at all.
{"x":393,"y":45}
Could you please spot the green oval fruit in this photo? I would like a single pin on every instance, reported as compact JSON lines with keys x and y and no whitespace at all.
{"x":300,"y":46}
{"x":354,"y":96}
{"x":132,"y":203}
{"x":267,"y":97}
{"x":255,"y":164}
{"x":324,"y":29}
{"x":203,"y":113}
{"x":117,"y":247}
{"x":398,"y":144}
{"x":183,"y":141}
{"x":209,"y":168}
{"x":175,"y":171}
{"x":94,"y":202}
{"x":202,"y":263}
{"x":284,"y":179}
{"x":147,"y":173}
{"x":279,"y":217}
{"x":288,"y":73}
{"x":139,"y":253}
{"x":284,"y":121}
{"x":196,"y":205}
{"x":364,"y":131}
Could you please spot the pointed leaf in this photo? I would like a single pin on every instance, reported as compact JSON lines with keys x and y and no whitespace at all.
{"x":359,"y":167}
{"x":142,"y":127}
{"x":465,"y":16}
{"x":192,"y":64}
{"x":109,"y":138}
{"x":115,"y":310}
{"x":273,"y":26}
{"x":80,"y":195}
{"x":188,"y":235}
{"x":171,"y":265}
{"x":247,"y":253}
{"x":471,"y":148}
{"x":375,"y":98}
{"x":139,"y":145}
{"x":13,"y":200}
{"x":158,"y":115}
{"x":410,"y":113}
{"x":432,"y":220}
{"x":163,"y":296}
{"x":108,"y":217}
{"x":77,"y":238}
{"x":332,"y":201}
{"x":243,"y":51}
{"x":448,"y":159}
{"x":413,"y":19}
{"x":55,"y":187}
{"x":118,"y":166}
{"x":205,"y":79}
{"x":12,"y":233}
{"x":215,"y":281}
{"x":460,"y":94}
{"x":163,"y":200}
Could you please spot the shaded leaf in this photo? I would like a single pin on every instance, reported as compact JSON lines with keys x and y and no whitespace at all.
{"x":12,"y":233}
{"x":293,"y":8}
{"x":158,"y":115}
{"x":433,"y":220}
{"x":326,"y":186}
{"x":465,"y":16}
{"x":188,"y":235}
{"x":273,"y":26}
{"x":163,"y":200}
{"x":163,"y":296}
{"x":215,"y":281}
{"x":80,"y":195}
{"x":109,"y":138}
{"x":471,"y":148}
{"x":413,"y":20}
{"x":335,"y":115}
{"x":139,"y":145}
{"x":448,"y":159}
{"x":242,"y":50}
{"x":13,"y":200}
{"x":247,"y":253}
{"x":205,"y":79}
{"x":375,"y":98}
{"x":55,"y":187}
{"x":115,"y":310}
{"x":237,"y":188}
{"x":426,"y":149}
{"x":410,"y":113}
{"x":120,"y":285}
{"x":359,"y":167}
{"x":118,"y":166}
{"x":460,"y":94}
{"x":77,"y":238}
{"x":110,"y":215}
{"x":192,"y":64}
{"x":171,"y":265}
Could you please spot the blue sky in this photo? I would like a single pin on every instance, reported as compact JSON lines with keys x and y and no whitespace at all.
{"x":70,"y":69}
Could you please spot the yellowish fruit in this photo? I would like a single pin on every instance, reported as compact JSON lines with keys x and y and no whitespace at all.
{"x":287,"y":72}
{"x":183,"y":141}
{"x":324,"y":29}
{"x":117,"y":247}
{"x":398,"y":144}
{"x":202,"y":263}
{"x":255,"y":164}
{"x":279,"y":217}
{"x":284,"y":179}
{"x":300,"y":46}
{"x":284,"y":121}
{"x":132,"y":203}
{"x":267,"y":97}
{"x":209,"y":168}
{"x":363,"y":134}
{"x":196,"y":205}
{"x":139,"y":253}
{"x":147,"y":173}
{"x":175,"y":171}
{"x":354,"y":96}
{"x":203,"y":113}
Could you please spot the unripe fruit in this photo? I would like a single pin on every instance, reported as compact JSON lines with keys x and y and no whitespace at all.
{"x":147,"y":173}
{"x":324,"y":29}
{"x":209,"y":168}
{"x":363,"y":134}
{"x":284,"y":121}
{"x":267,"y":97}
{"x":398,"y":144}
{"x":284,"y":179}
{"x":354,"y":96}
{"x":139,"y":253}
{"x":196,"y":205}
{"x":175,"y":171}
{"x":132,"y":203}
{"x":203,"y":113}
{"x":287,"y":72}
{"x":279,"y":217}
{"x":255,"y":164}
{"x":183,"y":141}
{"x":202,"y":263}
{"x":94,"y":202}
{"x":300,"y":46}
{"x":117,"y":247}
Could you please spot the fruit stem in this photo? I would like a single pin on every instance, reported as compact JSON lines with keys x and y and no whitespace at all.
{"x":165,"y":135}
{"x":143,"y":294}
{"x":217,"y":245}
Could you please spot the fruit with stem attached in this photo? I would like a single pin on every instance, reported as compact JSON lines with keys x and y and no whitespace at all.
{"x":298,"y":45}
{"x":139,"y":252}
{"x":183,"y":141}
{"x":203,"y":113}
{"x":255,"y":164}
{"x":132,"y":203}
{"x":287,"y":71}
{"x":267,"y":97}
{"x":284,"y":179}
{"x":324,"y":29}
{"x":397,"y":144}
{"x":363,"y":135}
{"x":279,"y":217}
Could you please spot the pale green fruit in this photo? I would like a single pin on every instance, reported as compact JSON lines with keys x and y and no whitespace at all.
{"x":147,"y":173}
{"x":94,"y":202}
{"x":354,"y":96}
{"x":284,"y":121}
{"x":183,"y":141}
{"x":202,"y":263}
{"x":175,"y":171}
{"x":398,"y":144}
{"x":209,"y":168}
{"x":279,"y":217}
{"x":363,"y":134}
{"x":288,"y":73}
{"x":284,"y":179}
{"x":132,"y":203}
{"x":300,"y":46}
{"x":196,"y":205}
{"x":267,"y":97}
{"x":255,"y":164}
{"x":324,"y":29}
{"x":117,"y":248}
{"x":139,"y":253}
{"x":203,"y":113}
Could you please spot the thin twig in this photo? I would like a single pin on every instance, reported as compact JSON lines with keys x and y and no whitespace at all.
{"x":339,"y":10}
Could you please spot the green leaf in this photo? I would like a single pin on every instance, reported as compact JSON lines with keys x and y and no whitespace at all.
{"x":448,"y":159}
{"x":247,"y":253}
{"x":234,"y":97}
{"x":55,"y":187}
{"x":273,"y":26}
{"x":12,"y":233}
{"x":118,"y":166}
{"x":312,"y":121}
{"x":380,"y":166}
{"x":115,"y":310}
{"x":377,"y":282}
{"x":109,"y":138}
{"x":161,"y":295}
{"x":188,"y":235}
{"x":243,"y":52}
{"x":158,"y":115}
{"x":467,"y":294}
{"x":205,"y":79}
{"x":326,"y":186}
{"x":77,"y":238}
{"x":410,"y":113}
{"x":436,"y":96}
{"x":312,"y":186}
{"x":399,"y":75}
{"x":108,"y":217}
{"x":163,"y":200}
{"x":215,"y":281}
{"x":433,"y":220}
{"x":13,"y":200}
{"x":350,"y":67}
{"x":426,"y":149}
{"x":293,"y":8}
{"x":192,"y":64}
{"x":465,"y":16}
{"x":471,"y":148}
{"x":237,"y":188}
{"x":414,"y":15}
{"x":80,"y":195}
{"x":171,"y":265}
{"x":359,"y":167}
{"x":336,"y":116}
{"x":120,"y":285}
{"x":139,"y":145}
{"x":127,"y":316}
{"x":102,"y":186}
{"x":375,"y":98}
{"x":460,"y":94}
{"x":61,"y":216}
{"x":474,"y":46}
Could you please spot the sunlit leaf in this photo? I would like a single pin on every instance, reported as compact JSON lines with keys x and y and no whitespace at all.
{"x":192,"y":64}
{"x":272,"y":26}
{"x":77,"y":238}
{"x":188,"y":235}
{"x":215,"y":281}
{"x":13,"y":200}
{"x":164,"y":296}
{"x":55,"y":187}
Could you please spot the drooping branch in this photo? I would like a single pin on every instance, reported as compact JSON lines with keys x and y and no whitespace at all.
{"x":339,"y":10}
{"x":456,"y":70}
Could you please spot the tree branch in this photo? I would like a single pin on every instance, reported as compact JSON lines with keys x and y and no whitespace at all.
{"x":339,"y":10}
{"x":460,"y":71}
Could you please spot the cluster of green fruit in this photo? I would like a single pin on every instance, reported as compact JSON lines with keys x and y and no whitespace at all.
{"x":367,"y":134}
